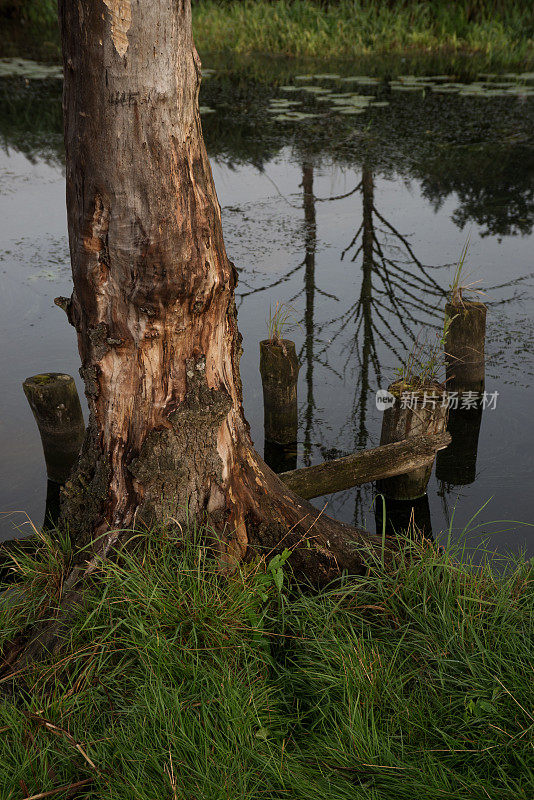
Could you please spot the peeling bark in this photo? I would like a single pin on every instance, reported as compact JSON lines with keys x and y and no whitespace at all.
{"x":153,"y":300}
{"x":153,"y":306}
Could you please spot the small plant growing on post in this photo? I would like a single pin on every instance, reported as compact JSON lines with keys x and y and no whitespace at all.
{"x":425,"y":363}
{"x":280,"y":320}
{"x":458,"y":286}
{"x":419,"y":408}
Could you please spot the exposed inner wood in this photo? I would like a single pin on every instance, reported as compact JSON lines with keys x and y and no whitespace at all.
{"x":153,"y":305}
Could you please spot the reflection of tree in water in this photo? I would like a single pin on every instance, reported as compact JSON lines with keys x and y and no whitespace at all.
{"x":309,"y":285}
{"x":398,"y":295}
{"x":451,"y":146}
{"x":309,"y":290}
{"x":494,"y":185}
{"x":31,"y":118}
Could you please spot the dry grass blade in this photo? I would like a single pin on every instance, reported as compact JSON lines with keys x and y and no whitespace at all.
{"x":280,"y":320}
{"x":169,"y":771}
{"x":459,"y":285}
{"x":62,"y":732}
{"x":67,"y":787}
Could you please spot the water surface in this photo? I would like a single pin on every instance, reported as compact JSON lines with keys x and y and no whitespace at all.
{"x":301,"y":172}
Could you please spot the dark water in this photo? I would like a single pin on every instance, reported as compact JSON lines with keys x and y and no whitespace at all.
{"x":429,"y":167}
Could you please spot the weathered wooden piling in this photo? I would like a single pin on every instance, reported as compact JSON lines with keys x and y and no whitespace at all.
{"x":464,"y":346}
{"x":365,"y":466}
{"x":280,"y":457}
{"x":279,"y":368}
{"x":457,"y":464}
{"x":404,"y":516}
{"x":54,"y":400}
{"x":413,"y":412}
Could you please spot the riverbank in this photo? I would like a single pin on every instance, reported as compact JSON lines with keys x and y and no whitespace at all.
{"x":499,"y":34}
{"x":175,"y":683}
{"x":501,"y":31}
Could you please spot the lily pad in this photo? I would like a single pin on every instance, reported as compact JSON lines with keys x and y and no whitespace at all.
{"x":348,"y":110}
{"x":495,"y":93}
{"x":298,"y":115}
{"x":32,"y":70}
{"x":206,"y":110}
{"x":352,"y":100}
{"x":294,"y":116}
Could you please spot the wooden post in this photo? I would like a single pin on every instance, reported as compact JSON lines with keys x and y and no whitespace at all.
{"x":404,"y":515}
{"x":365,"y":466}
{"x":424,"y":413}
{"x":464,"y":346}
{"x":279,"y":370}
{"x":280,"y":457}
{"x":457,"y":464}
{"x":54,"y":400}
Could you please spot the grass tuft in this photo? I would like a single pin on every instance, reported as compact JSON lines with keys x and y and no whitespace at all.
{"x":178,"y":683}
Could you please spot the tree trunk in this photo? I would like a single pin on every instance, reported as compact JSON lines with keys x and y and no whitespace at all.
{"x":153,"y":302}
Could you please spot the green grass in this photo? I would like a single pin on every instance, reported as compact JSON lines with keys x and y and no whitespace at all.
{"x":504,"y":31}
{"x":499,"y":31}
{"x":30,"y":28}
{"x":178,"y":683}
